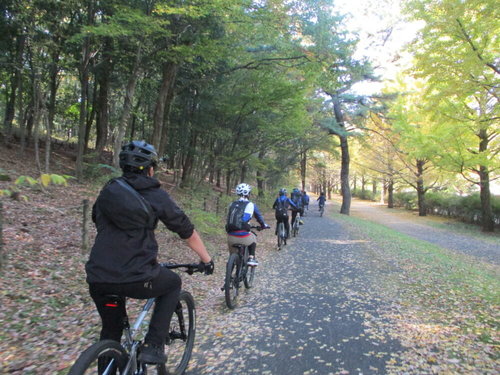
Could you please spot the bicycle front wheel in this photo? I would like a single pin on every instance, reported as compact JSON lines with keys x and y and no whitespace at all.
{"x":106,"y":357}
{"x":231,"y":284}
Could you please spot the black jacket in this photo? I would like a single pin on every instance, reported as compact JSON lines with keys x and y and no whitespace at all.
{"x":120,"y":256}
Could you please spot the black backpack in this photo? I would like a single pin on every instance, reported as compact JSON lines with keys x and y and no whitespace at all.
{"x":124,"y":206}
{"x":297,"y":199}
{"x":235,"y":217}
{"x":281,"y":209}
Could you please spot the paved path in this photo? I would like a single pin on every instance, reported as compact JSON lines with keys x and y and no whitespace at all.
{"x":309,"y":313}
{"x":421,"y":229}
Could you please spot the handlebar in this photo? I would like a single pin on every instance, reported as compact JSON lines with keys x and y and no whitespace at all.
{"x":189,"y":268}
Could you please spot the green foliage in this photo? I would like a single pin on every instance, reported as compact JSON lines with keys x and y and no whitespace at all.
{"x":206,"y":222}
{"x":99,"y":173}
{"x":366,"y":195}
{"x":44,"y":180}
{"x":465,"y":208}
{"x":407,"y":200}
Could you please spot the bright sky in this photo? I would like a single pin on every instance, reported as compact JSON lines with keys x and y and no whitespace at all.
{"x":372,"y":19}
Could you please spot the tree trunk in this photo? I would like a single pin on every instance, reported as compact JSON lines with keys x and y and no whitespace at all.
{"x":260,"y":175}
{"x":16,"y":79}
{"x":102,"y":110}
{"x":127,"y":106}
{"x":36,"y":119}
{"x":303,"y":168}
{"x":345,"y":160}
{"x":84,"y":78}
{"x":243,"y":170}
{"x":166,"y":116}
{"x":390,"y":193}
{"x":84,"y":75}
{"x":487,"y":222}
{"x":54,"y":71}
{"x":187,"y":167}
{"x":169,"y":73}
{"x":422,"y":210}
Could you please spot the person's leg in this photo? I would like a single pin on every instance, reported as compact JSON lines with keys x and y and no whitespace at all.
{"x":166,"y":288}
{"x":111,"y":310}
{"x":287,"y":227}
{"x":294,"y":215}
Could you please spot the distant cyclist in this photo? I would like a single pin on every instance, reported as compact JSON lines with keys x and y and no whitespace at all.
{"x":296,"y":198}
{"x":239,"y":215}
{"x":321,"y":199}
{"x":305,"y":200}
{"x":123,"y":260}
{"x":281,"y":206}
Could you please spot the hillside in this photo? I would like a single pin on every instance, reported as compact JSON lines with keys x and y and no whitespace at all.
{"x":45,"y":311}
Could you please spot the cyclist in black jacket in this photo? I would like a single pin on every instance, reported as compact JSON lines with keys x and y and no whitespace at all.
{"x":124,"y":262}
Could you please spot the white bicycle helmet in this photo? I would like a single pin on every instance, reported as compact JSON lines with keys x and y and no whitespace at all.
{"x":243,"y":189}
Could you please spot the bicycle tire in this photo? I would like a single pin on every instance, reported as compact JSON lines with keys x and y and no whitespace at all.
{"x":231,"y":283}
{"x":181,"y":335}
{"x":281,"y":229}
{"x":249,"y":277}
{"x":93,"y":359}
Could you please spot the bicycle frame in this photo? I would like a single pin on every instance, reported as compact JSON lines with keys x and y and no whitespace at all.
{"x":130,"y":342}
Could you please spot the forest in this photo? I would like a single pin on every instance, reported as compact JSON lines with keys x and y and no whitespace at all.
{"x":263,"y":91}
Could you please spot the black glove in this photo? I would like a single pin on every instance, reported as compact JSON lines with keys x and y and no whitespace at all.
{"x":207,"y":268}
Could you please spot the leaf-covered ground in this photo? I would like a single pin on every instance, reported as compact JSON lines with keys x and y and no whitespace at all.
{"x":438,"y":307}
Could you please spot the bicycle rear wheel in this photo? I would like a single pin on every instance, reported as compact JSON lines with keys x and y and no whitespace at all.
{"x":295,"y":229}
{"x":231,"y":284}
{"x":280,"y":231}
{"x":106,"y":357}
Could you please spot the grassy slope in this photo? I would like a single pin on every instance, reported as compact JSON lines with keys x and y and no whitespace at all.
{"x":46,"y":315}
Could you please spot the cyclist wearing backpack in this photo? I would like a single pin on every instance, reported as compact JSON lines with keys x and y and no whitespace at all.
{"x":281,"y":206}
{"x":297,"y":200}
{"x":239,"y":215}
{"x":305,"y":200}
{"x":321,"y":199}
{"x":123,"y":260}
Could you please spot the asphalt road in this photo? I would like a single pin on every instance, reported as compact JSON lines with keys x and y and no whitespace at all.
{"x":311,"y":311}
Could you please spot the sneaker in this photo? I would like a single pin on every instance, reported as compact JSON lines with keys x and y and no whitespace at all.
{"x":152,"y":354}
{"x":301,"y":222}
{"x":253,"y":262}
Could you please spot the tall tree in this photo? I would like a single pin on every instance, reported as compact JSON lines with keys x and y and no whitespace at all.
{"x":457,"y":55}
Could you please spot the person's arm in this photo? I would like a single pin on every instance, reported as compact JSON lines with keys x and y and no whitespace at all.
{"x":292,"y":203}
{"x":197,"y":245}
{"x":259,"y":217}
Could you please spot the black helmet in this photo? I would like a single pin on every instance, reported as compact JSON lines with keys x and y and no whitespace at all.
{"x":139,"y":155}
{"x":283,"y":191}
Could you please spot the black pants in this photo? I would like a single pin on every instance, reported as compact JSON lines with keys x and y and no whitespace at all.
{"x":284,"y":220}
{"x":165,"y":287}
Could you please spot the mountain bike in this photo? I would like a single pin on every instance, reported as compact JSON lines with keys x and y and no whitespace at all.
{"x":238,"y":271}
{"x":108,"y":357}
{"x":296,"y":225}
{"x":281,"y":235}
{"x":321,"y":210}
